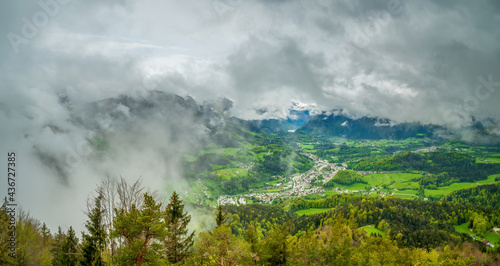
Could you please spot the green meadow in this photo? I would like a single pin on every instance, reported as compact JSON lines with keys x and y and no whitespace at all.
{"x":490,"y":158}
{"x":370,"y":229}
{"x":308,"y":148}
{"x":393,"y":180}
{"x":312,"y":211}
{"x":228,"y":173}
{"x":227,"y":151}
{"x":463,"y":228}
{"x":403,"y":186}
{"x":494,"y":238}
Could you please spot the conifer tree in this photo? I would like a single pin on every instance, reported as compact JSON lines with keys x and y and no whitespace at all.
{"x":141,"y":229}
{"x":57,"y":252}
{"x":45,"y":234}
{"x":178,"y":241}
{"x":94,"y":243}
{"x":252,"y":238}
{"x":275,"y":245}
{"x":221,"y":218}
{"x":70,"y":249}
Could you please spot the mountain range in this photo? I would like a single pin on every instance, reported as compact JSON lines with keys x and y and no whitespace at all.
{"x":215,"y":115}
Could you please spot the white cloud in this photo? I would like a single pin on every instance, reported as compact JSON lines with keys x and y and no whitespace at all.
{"x":417,"y":65}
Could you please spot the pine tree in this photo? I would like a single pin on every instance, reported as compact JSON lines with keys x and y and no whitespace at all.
{"x":141,"y":229}
{"x":57,"y":252}
{"x":70,"y":249}
{"x":221,"y":218}
{"x":94,"y":243}
{"x":178,"y":241}
{"x":45,"y":234}
{"x":252,"y":238}
{"x":275,"y":244}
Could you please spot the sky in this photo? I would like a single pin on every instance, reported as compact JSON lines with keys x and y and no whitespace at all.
{"x":429,"y":61}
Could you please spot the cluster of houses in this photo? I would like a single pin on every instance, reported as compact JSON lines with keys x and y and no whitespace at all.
{"x":268,"y":197}
{"x":300,"y":185}
{"x":225,"y":200}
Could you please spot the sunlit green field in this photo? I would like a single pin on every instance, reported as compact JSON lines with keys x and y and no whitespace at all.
{"x":229,"y":173}
{"x":463,"y":228}
{"x":312,"y":211}
{"x":436,"y":193}
{"x":494,"y":238}
{"x":490,"y":158}
{"x":393,"y":180}
{"x":489,"y":180}
{"x":370,"y":229}
{"x":402,"y":186}
{"x":228,"y":151}
{"x":308,"y":148}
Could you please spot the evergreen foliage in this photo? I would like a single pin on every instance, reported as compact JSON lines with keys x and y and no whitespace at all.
{"x":141,"y":229}
{"x":415,"y":233}
{"x":69,"y":249}
{"x":178,"y":240}
{"x":485,"y":195}
{"x":94,"y":243}
{"x":221,"y":218}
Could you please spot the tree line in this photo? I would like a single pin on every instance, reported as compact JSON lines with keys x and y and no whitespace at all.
{"x":128,"y":225}
{"x":485,"y":195}
{"x":415,"y":224}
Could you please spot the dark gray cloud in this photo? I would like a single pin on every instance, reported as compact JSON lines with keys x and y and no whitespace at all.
{"x":429,"y":61}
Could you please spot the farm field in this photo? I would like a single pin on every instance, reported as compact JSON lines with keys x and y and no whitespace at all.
{"x":402,"y":186}
{"x":308,"y":148}
{"x":463,"y":228}
{"x":228,"y":173}
{"x":440,"y":191}
{"x":490,"y":158}
{"x":393,"y":180}
{"x":370,"y":229}
{"x":312,"y":211}
{"x":489,"y":180}
{"x":494,"y":238}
